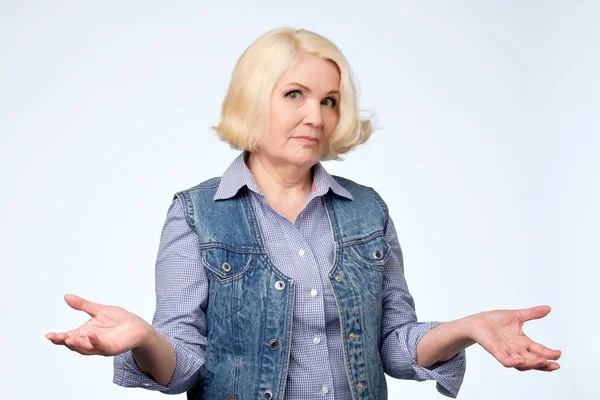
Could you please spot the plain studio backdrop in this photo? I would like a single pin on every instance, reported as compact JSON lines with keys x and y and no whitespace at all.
{"x":487,"y":132}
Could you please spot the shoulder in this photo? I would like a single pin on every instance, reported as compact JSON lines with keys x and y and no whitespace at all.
{"x":206,"y":188}
{"x":361,"y":192}
{"x":199,"y":195}
{"x":212,"y":183}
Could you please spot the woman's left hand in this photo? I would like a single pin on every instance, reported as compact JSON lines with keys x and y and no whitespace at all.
{"x":500,"y":333}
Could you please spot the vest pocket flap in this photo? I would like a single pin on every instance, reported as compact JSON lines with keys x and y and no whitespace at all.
{"x":373,"y":252}
{"x":225,"y":263}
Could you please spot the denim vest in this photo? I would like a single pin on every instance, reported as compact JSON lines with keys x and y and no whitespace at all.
{"x":251,"y":303}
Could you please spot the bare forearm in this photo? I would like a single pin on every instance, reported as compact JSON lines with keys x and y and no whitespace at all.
{"x":444,"y":341}
{"x":156,"y":358}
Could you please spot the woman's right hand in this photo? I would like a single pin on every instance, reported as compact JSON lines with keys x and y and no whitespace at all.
{"x":112,"y":330}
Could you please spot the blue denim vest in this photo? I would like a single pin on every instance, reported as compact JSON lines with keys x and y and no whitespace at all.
{"x":251,"y":303}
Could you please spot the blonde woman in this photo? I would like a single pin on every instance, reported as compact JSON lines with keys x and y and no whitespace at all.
{"x":278,"y":280}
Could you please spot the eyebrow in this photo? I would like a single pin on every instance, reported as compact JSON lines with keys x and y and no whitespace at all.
{"x":335,"y":91}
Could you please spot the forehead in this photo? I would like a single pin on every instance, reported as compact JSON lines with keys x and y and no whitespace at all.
{"x":311,"y":70}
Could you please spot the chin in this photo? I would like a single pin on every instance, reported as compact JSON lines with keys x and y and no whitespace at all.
{"x":304,"y":158}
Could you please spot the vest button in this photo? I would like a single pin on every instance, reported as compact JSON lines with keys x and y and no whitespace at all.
{"x":351,"y":335}
{"x":280,"y":285}
{"x":273,"y":344}
{"x":338,"y":278}
{"x":360,"y":386}
{"x":268,"y":394}
{"x":378,"y":255}
{"x":226,"y":267}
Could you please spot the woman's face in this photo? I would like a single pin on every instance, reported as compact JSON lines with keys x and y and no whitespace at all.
{"x":303,"y":112}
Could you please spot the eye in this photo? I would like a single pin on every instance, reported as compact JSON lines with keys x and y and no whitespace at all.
{"x":294,"y":94}
{"x":329,"y":102}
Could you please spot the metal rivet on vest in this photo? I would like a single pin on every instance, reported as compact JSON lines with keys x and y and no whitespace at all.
{"x":338,"y":278}
{"x":268,"y":395}
{"x":273,"y":344}
{"x":378,"y":255}
{"x":226,"y":267}
{"x":280,"y":285}
{"x":351,"y":335}
{"x":360,"y":386}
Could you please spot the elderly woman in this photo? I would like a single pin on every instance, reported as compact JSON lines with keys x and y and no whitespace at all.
{"x":278,"y":280}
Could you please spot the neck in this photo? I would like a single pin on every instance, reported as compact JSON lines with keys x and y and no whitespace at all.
{"x":279,"y":180}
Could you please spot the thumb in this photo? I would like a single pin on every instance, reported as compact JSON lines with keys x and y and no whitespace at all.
{"x":534,"y":312}
{"x":81,"y":304}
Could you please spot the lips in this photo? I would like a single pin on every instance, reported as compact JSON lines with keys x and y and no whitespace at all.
{"x":306,"y":139}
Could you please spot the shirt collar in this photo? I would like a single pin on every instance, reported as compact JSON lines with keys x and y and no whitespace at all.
{"x":238,"y":175}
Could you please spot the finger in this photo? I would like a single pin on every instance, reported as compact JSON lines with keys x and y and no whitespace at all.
{"x":62,"y":336}
{"x":69,"y":334}
{"x":55,"y":340}
{"x":79,"y":346}
{"x":511,"y":360}
{"x":544,"y":352}
{"x":59,"y":342}
{"x":69,"y":347}
{"x":549,"y":367}
{"x":533,"y":362}
{"x":534,"y":312}
{"x":96,"y":342}
{"x":81,"y":304}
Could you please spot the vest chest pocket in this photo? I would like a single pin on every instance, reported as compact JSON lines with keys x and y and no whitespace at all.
{"x":224,"y":263}
{"x":374,"y":252}
{"x":366,"y":262}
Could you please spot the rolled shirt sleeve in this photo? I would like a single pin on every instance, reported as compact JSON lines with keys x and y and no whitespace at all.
{"x":401,"y":332}
{"x":181,"y":300}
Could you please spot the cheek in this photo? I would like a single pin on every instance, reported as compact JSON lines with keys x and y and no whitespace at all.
{"x":277,"y":120}
{"x":330,"y":123}
{"x":284,"y":123}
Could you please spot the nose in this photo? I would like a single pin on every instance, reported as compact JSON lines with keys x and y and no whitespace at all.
{"x":313,"y":115}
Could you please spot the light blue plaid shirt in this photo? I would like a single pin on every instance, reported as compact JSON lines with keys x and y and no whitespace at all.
{"x":304,"y":252}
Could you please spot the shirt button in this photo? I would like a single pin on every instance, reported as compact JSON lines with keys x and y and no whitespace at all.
{"x":325,"y":389}
{"x":313,"y":292}
{"x":301,"y":252}
{"x":317,"y":340}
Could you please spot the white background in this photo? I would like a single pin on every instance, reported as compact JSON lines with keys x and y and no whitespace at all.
{"x":487,"y":115}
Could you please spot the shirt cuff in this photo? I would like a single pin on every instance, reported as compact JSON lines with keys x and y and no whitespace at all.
{"x":187,"y":371}
{"x":449,"y":374}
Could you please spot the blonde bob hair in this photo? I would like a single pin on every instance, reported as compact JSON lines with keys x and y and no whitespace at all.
{"x":245,"y":109}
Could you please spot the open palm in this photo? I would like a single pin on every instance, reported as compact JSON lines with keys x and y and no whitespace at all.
{"x":500,"y":332}
{"x":112,"y":330}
